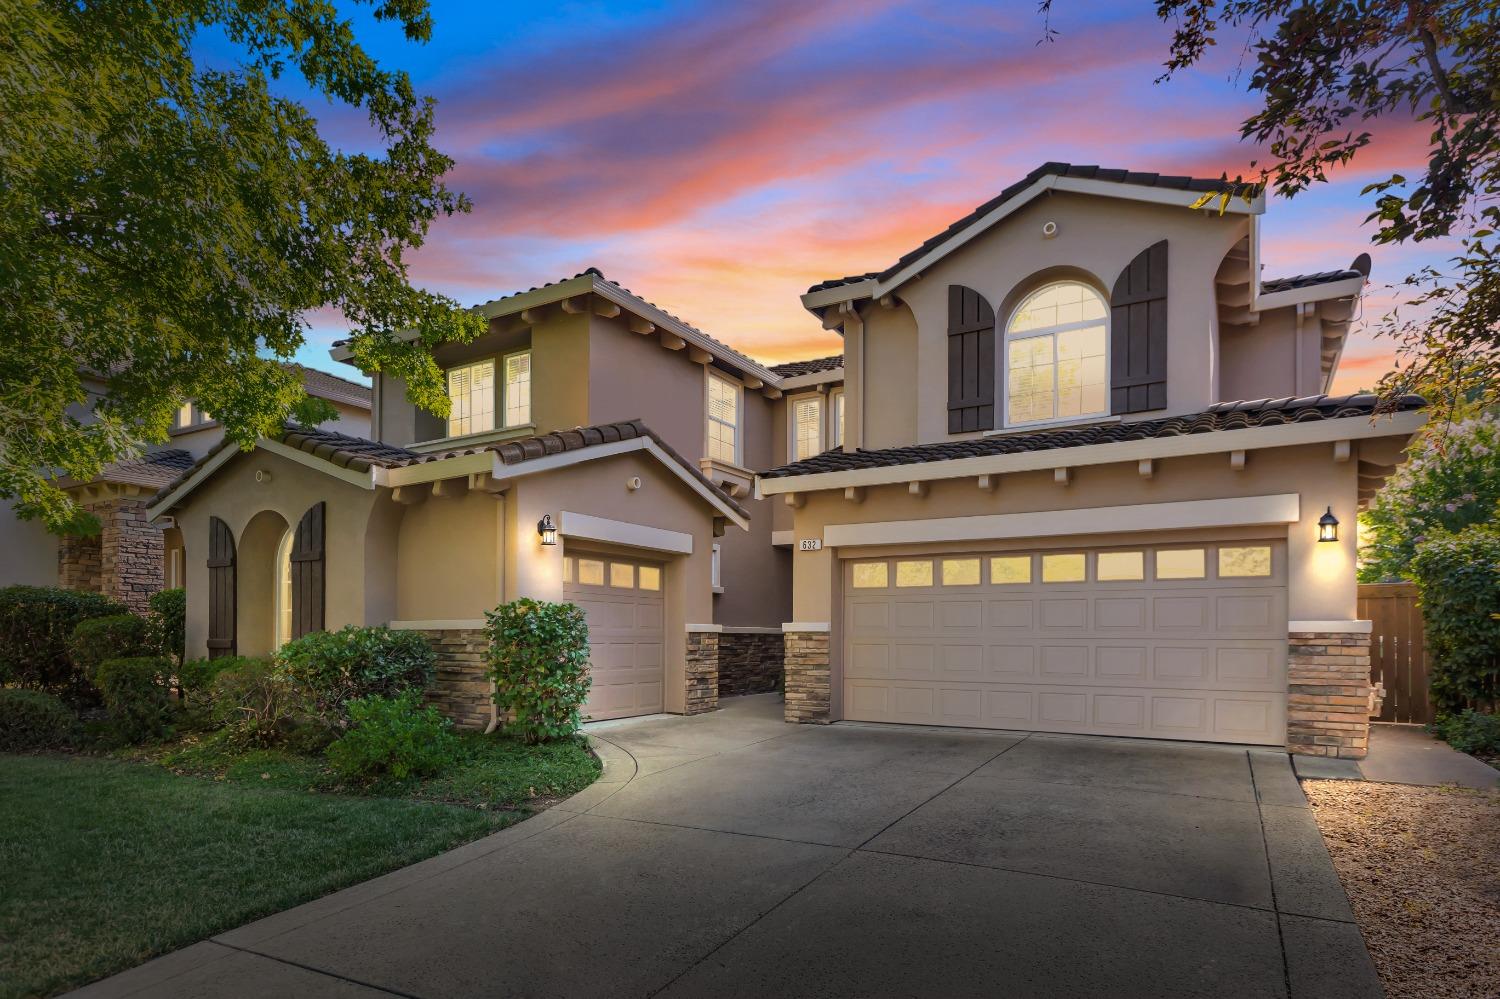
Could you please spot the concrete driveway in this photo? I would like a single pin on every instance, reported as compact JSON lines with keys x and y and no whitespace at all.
{"x":732,"y":854}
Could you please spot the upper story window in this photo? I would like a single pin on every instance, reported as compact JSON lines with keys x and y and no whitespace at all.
{"x":722,"y":435}
{"x":189,"y":415}
{"x":478,"y":405}
{"x":518,"y":389}
{"x":836,"y":423}
{"x":471,"y":395}
{"x":807,"y":427}
{"x":1056,"y":355}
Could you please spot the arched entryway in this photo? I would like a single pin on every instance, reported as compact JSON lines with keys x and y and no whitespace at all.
{"x":261,"y":571}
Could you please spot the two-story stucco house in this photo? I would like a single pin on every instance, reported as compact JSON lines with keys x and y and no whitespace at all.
{"x":1088,"y":480}
{"x":131,"y":558}
{"x":1074,"y":471}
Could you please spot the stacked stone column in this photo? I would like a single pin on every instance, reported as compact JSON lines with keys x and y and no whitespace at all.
{"x":461,"y":689}
{"x":808,"y":689}
{"x":1328,"y":693}
{"x":702,"y":670}
{"x":124,"y":561}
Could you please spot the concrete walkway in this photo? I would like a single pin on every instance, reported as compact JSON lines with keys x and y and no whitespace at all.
{"x":1406,"y":754}
{"x":732,"y":854}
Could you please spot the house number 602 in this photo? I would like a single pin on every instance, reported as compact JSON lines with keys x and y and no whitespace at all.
{"x":810,"y":545}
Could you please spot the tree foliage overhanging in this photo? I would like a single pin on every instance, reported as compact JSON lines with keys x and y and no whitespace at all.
{"x":169,"y":225}
{"x":1324,"y":70}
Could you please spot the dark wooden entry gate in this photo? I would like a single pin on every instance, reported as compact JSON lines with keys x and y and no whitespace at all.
{"x":1398,"y":653}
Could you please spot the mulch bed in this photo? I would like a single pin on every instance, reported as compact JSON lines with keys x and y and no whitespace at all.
{"x":1422,"y":869}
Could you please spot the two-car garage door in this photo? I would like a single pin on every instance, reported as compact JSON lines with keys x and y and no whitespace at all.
{"x":1184,"y":641}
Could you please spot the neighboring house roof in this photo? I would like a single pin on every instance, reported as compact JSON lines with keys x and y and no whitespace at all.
{"x":816,"y":365}
{"x":1200,"y":185}
{"x":332,"y":387}
{"x":360,"y":455}
{"x":1220,"y":417}
{"x":154,"y":468}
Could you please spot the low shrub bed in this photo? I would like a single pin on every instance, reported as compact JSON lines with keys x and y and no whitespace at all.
{"x":36,"y":628}
{"x":31,"y":719}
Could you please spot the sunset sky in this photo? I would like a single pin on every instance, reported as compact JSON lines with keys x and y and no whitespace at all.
{"x":717,"y":158}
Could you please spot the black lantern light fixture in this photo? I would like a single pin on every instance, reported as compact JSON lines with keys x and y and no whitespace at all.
{"x":546,"y":530}
{"x":1328,"y":526}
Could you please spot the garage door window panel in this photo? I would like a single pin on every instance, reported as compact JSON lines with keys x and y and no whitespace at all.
{"x":1119,"y":567}
{"x":1070,"y":567}
{"x":1010,"y":570}
{"x":871,"y":575}
{"x":1244,"y":562}
{"x":1180,"y":563}
{"x":914,"y":573}
{"x":960,"y":572}
{"x":590,"y":572}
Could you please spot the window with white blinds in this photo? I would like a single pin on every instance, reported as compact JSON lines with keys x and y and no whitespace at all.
{"x":518,"y":389}
{"x":807,"y":428}
{"x":723,"y":419}
{"x":471,"y":394}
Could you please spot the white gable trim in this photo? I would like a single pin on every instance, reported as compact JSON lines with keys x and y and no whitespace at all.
{"x":217,"y":460}
{"x":619,"y":532}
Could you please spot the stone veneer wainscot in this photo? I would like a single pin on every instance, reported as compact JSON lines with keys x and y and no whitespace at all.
{"x":1328,"y":693}
{"x":807,"y":675}
{"x":702,"y":693}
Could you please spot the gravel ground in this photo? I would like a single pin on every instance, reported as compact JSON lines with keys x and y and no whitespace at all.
{"x":1422,"y":869}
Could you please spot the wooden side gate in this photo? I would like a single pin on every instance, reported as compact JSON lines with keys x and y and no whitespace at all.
{"x":1398,"y":653}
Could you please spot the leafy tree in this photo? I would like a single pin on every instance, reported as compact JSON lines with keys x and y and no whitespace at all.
{"x":1451,"y":481}
{"x":167,"y":226}
{"x":1323,"y":69}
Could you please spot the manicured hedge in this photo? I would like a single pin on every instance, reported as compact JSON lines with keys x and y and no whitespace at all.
{"x":539,"y":660}
{"x":325,"y":670}
{"x":118,"y":636}
{"x":30,"y":719}
{"x":36,"y":623}
{"x":136,"y":695}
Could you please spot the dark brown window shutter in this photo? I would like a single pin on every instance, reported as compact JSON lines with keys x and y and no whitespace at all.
{"x":220,"y":589}
{"x":1138,"y":334}
{"x":307,"y":573}
{"x":971,"y":361}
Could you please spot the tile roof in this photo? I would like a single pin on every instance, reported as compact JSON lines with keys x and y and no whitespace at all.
{"x":1223,"y":416}
{"x":792,"y":369}
{"x":1271,"y":285}
{"x":599,"y":275}
{"x":1085,"y":172}
{"x":360,"y":454}
{"x":332,"y":387}
{"x":153,"y":468}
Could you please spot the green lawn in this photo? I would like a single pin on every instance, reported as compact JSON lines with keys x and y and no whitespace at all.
{"x":105,"y":863}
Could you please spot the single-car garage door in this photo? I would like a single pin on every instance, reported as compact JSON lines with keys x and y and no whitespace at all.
{"x":1184,"y":641}
{"x":622,"y":600}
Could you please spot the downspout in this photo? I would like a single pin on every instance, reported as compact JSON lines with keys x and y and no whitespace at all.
{"x":499,"y":598}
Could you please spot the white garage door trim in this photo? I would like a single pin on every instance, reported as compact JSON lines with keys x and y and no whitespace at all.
{"x":1248,"y":511}
{"x":622,"y":600}
{"x":1201,"y":658}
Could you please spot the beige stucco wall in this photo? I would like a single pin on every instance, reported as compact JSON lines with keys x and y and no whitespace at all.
{"x":1263,"y":362}
{"x":358,"y":526}
{"x":28,"y":554}
{"x":1321,"y":576}
{"x":449,"y":557}
{"x":890,"y":404}
{"x":631,"y":375}
{"x":1096,"y":239}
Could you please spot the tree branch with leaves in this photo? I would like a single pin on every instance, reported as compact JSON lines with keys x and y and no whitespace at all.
{"x":167,"y":227}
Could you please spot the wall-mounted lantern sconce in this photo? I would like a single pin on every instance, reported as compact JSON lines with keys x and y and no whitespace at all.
{"x":1328,"y":526}
{"x":546,"y":530}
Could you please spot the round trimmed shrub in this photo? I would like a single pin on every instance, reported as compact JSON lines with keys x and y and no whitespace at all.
{"x":136,"y":696}
{"x":539,"y":660}
{"x":326,"y":670}
{"x":30,"y":719}
{"x":118,"y":636}
{"x":36,"y":623}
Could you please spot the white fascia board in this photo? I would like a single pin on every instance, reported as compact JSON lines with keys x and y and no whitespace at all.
{"x":489,"y":461}
{"x":824,"y":297}
{"x":811,"y":380}
{"x":662,"y":320}
{"x":1051,"y":182}
{"x":364,"y":480}
{"x":1347,"y":288}
{"x":1221,"y":441}
{"x":512,"y":304}
{"x":619,"y":532}
{"x":1239,"y":511}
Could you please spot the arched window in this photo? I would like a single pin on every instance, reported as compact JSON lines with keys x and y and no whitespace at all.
{"x":284,"y":587}
{"x":1057,"y":355}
